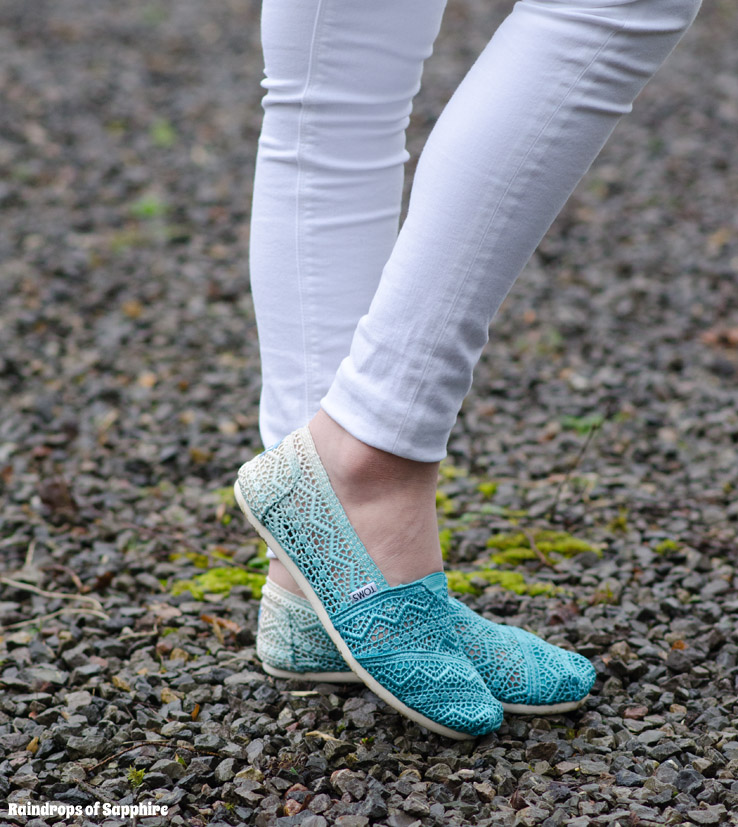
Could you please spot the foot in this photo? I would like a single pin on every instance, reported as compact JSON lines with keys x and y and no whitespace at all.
{"x":397,"y":639}
{"x":526,"y":674}
{"x":389,"y":500}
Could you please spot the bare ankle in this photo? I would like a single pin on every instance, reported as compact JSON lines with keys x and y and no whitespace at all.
{"x":389,"y":500}
{"x":278,"y":574}
{"x":356,"y":464}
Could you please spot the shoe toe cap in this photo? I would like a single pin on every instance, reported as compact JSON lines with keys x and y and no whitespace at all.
{"x":447,"y":690}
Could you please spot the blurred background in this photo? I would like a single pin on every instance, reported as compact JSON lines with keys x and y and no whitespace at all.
{"x":591,"y":489}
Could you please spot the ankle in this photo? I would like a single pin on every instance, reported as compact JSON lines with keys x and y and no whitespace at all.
{"x":278,"y":574}
{"x":357,"y":467}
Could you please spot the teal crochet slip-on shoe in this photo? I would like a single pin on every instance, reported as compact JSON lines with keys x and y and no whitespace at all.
{"x":527,"y":675}
{"x":399,"y":640}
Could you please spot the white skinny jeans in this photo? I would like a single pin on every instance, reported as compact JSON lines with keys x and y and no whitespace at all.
{"x":383,"y":331}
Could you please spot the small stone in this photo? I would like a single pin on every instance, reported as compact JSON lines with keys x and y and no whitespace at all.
{"x":346,"y":781}
{"x":579,"y":821}
{"x":714,"y":814}
{"x":589,"y":766}
{"x":351,"y":821}
{"x":254,"y":750}
{"x":542,"y":751}
{"x":87,"y":745}
{"x":416,"y":805}
{"x":438,"y":772}
{"x":337,"y":749}
{"x":209,"y":741}
{"x":650,"y":736}
{"x":38,"y":676}
{"x":626,"y":778}
{"x":169,"y":768}
{"x":530,"y":816}
{"x":81,"y":674}
{"x":400,"y":819}
{"x":657,"y":792}
{"x":25,"y":778}
{"x":319,"y":803}
{"x":225,"y":770}
{"x":689,"y":781}
{"x":485,"y":790}
{"x":250,"y":774}
{"x":292,"y":807}
{"x":75,"y":700}
{"x":730,"y":750}
{"x":664,"y":750}
{"x":307,"y":820}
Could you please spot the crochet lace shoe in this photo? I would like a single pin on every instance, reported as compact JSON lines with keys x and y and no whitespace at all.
{"x":398,"y":640}
{"x":526,"y":674}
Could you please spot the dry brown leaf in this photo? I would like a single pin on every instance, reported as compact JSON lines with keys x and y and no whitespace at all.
{"x":326,"y":736}
{"x":224,"y":622}
{"x":133,"y":309}
{"x":720,"y":336}
{"x":147,"y":379}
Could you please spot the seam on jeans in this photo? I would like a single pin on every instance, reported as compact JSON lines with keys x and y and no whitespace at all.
{"x":302,"y":276}
{"x":465,"y":278}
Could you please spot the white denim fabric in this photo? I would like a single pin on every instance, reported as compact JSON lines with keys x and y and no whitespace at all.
{"x":383,"y":331}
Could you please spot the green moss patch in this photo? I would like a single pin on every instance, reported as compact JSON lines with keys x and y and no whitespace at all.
{"x":667,"y":546}
{"x":444,"y":503}
{"x":464,"y":582}
{"x":487,"y":489}
{"x":582,"y":424}
{"x":515,"y":547}
{"x":446,"y":536}
{"x":220,"y":580}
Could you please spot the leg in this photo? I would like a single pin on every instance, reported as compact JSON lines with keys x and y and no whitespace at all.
{"x":518,"y":134}
{"x":340,"y":78}
{"x":513,"y":142}
{"x":327,"y":195}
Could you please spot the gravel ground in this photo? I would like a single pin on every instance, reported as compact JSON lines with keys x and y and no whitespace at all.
{"x":605,"y":407}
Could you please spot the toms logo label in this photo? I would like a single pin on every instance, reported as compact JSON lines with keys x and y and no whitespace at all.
{"x":364,"y":591}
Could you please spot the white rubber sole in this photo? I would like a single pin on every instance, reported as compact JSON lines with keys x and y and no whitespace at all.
{"x":553,"y":709}
{"x":354,"y":665}
{"x":350,"y":677}
{"x":318,"y":677}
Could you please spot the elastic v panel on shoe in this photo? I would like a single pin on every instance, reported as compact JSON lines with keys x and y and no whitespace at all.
{"x":401,"y":619}
{"x":288,"y":486}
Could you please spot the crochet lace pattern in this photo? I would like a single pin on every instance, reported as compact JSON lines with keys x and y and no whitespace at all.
{"x":290,"y":636}
{"x":288,"y":491}
{"x":402,"y":636}
{"x":518,"y":667}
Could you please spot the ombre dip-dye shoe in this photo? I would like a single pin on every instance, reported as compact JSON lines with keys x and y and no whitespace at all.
{"x":399,"y":640}
{"x":527,"y":675}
